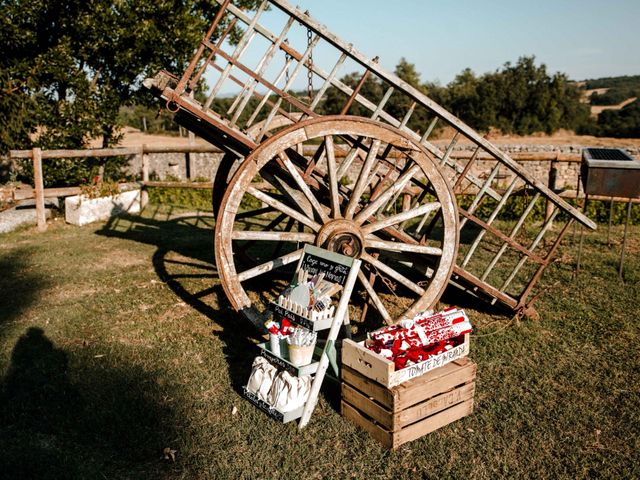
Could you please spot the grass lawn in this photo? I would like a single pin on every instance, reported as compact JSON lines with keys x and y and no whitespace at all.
{"x":116,"y":342}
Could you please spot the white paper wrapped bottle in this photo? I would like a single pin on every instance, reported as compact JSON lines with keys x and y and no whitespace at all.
{"x":261,"y":378}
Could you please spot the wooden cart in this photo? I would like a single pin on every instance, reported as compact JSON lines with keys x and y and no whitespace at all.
{"x":349,"y":163}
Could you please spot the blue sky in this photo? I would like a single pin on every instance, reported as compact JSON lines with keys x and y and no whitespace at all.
{"x":585,"y":39}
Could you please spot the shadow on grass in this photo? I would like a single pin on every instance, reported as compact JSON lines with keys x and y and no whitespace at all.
{"x":20,"y":277}
{"x":455,"y":295}
{"x":96,"y":427}
{"x":192,"y":237}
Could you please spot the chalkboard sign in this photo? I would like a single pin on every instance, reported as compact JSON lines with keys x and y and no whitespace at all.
{"x":262,"y":405}
{"x":291,"y":316}
{"x":335,"y":266}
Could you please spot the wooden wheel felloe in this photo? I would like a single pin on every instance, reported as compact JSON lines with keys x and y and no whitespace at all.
{"x":369,"y":191}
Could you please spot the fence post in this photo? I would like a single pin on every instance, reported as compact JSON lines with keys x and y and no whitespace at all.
{"x":144,"y":194}
{"x":191,"y":174}
{"x":38,"y":181}
{"x":187,"y":158}
{"x":552,"y":184}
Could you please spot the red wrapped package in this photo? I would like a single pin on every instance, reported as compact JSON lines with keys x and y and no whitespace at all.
{"x":417,"y":340}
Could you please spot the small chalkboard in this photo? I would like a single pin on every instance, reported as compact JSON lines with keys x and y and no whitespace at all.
{"x":282,"y":312}
{"x":262,"y":405}
{"x":335,"y":266}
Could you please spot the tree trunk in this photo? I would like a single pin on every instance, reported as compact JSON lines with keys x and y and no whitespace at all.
{"x":107,"y":135}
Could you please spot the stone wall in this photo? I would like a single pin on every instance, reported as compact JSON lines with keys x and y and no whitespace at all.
{"x":566,"y":171}
{"x":566,"y":176}
{"x":173,"y":166}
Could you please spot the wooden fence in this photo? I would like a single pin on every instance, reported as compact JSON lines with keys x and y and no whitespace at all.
{"x":39,"y":193}
{"x":37,"y":155}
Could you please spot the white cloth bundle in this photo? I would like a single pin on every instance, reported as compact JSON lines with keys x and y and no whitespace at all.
{"x":288,"y":392}
{"x":261,"y":378}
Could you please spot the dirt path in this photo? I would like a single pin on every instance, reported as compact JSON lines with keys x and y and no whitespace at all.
{"x":598,"y":109}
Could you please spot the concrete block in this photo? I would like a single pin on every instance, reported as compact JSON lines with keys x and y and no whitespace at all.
{"x":80,"y":210}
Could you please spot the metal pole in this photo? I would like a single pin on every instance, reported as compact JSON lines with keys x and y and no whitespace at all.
{"x":584,"y":210}
{"x":624,"y":239}
{"x":190,"y":160}
{"x":610,"y":219}
{"x":552,"y":181}
{"x":575,"y":225}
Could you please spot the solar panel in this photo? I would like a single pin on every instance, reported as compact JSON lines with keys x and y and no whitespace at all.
{"x":607,"y":154}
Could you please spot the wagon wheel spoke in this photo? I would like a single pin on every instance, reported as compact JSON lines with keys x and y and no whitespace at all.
{"x":386,"y":195}
{"x":272,"y":236}
{"x":304,"y":188}
{"x":332,"y":169}
{"x":423,"y":209}
{"x":361,"y":183}
{"x":353,"y":152}
{"x":383,"y":267}
{"x":242,"y":250}
{"x":403,"y":247}
{"x":270,"y":265}
{"x":375,"y":299}
{"x":269,"y":200}
{"x":274,"y":191}
{"x":287,"y":189}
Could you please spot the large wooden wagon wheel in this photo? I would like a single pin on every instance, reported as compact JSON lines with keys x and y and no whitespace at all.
{"x":230,"y":163}
{"x":369,"y":191}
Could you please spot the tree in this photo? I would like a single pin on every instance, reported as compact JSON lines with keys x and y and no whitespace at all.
{"x":623,"y":123}
{"x":373,"y":89}
{"x":400,"y":103}
{"x":69,"y":65}
{"x":407,"y":72}
{"x":335,"y":99}
{"x":462,"y":98}
{"x":520,"y":98}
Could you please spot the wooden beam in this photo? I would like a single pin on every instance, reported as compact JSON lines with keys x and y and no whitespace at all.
{"x":89,"y":152}
{"x":572,"y":194}
{"x":41,"y":218}
{"x":308,"y":150}
{"x":491,"y":229}
{"x":494,"y":292}
{"x":24,"y":194}
{"x":193,"y":185}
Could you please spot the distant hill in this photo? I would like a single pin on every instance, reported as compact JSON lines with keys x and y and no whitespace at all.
{"x":615,"y":107}
{"x":618,"y":89}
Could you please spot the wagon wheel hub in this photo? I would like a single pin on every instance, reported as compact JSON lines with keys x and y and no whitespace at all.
{"x":341,"y":236}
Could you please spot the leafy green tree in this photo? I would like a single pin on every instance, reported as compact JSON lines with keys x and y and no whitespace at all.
{"x":400,"y":103}
{"x":407,"y":72}
{"x":69,"y":65}
{"x":612,"y":96}
{"x":463,"y":99}
{"x":335,"y":100}
{"x":619,"y":89}
{"x":520,"y":98}
{"x":623,"y":123}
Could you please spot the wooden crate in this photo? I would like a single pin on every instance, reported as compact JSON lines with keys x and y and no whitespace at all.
{"x":398,"y":415}
{"x":376,"y":367}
